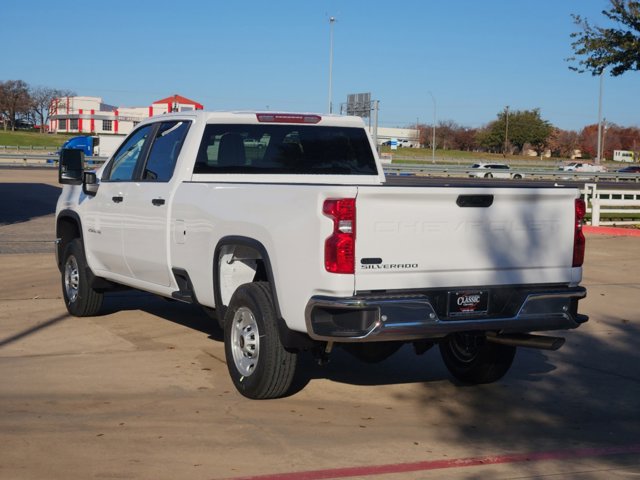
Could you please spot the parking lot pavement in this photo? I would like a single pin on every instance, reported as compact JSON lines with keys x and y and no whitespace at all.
{"x":142,"y":391}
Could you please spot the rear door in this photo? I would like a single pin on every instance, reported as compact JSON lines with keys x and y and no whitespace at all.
{"x":434,"y":237}
{"x":145,"y":225}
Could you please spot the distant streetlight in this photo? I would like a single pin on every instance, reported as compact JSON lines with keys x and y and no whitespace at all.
{"x":506,"y":130}
{"x":433,"y":130}
{"x":332,"y":20}
{"x":605,"y":127}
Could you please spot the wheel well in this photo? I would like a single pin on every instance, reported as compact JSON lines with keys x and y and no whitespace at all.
{"x":237,"y":265}
{"x":239,"y":260}
{"x":67,"y":229}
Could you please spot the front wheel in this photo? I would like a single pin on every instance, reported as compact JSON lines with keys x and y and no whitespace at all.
{"x":258,"y":363}
{"x":81,"y":300}
{"x":472,"y":359}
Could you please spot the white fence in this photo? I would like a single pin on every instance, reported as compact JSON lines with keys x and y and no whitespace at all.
{"x":619,"y":207}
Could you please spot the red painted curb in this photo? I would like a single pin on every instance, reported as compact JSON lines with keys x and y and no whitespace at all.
{"x":616,"y":231}
{"x":337,"y":473}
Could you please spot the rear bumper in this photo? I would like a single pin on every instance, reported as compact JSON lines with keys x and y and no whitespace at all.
{"x":412,"y":317}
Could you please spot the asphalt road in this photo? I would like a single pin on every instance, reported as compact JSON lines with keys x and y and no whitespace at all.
{"x":142,"y":390}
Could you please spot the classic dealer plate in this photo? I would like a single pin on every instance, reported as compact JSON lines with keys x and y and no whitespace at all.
{"x":468,"y":302}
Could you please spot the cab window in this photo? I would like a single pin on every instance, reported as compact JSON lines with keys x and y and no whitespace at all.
{"x":164,"y":151}
{"x":285,"y":149}
{"x":123,"y":165}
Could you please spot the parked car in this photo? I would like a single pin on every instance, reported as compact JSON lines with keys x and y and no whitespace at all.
{"x":630,"y":169}
{"x":491,"y":170}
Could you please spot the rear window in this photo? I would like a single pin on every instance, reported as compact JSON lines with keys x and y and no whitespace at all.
{"x":285,"y":149}
{"x":498,"y":166}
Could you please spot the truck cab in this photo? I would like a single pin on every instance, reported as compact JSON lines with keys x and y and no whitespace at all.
{"x":83,"y":142}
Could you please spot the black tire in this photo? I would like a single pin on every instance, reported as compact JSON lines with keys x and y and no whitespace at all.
{"x":259,"y":365}
{"x":488,"y":175}
{"x":517,"y":176}
{"x":81,"y":300}
{"x":472,"y":359}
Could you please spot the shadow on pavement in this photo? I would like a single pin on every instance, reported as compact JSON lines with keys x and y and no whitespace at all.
{"x":584,"y":395}
{"x":22,"y":202}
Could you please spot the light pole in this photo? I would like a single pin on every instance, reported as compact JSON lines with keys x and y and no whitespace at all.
{"x":599,"y":154}
{"x":433,"y":130}
{"x":604,"y":136}
{"x":506,"y":130}
{"x":332,"y":20}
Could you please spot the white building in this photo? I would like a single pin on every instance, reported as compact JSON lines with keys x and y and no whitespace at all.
{"x":90,"y":115}
{"x":406,"y":136}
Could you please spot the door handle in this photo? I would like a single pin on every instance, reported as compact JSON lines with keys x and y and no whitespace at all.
{"x":158,"y":201}
{"x":117,"y":199}
{"x":475,"y":201}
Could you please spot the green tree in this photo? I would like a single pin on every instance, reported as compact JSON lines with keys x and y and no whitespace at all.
{"x":616,"y":47}
{"x":518,"y":128}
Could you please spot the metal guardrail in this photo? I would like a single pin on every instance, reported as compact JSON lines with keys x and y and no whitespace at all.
{"x":25,"y":147}
{"x":50,"y":159}
{"x":40,"y":159}
{"x":535,"y":174}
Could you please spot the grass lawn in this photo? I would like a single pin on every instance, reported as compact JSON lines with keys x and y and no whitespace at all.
{"x":28,"y":139}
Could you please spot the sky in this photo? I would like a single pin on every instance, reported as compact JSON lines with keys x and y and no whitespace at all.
{"x":463,"y":60}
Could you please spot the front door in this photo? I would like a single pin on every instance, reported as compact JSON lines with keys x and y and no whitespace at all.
{"x":105,"y":213}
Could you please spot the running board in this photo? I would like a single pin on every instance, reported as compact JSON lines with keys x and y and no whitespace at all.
{"x":185,"y":294}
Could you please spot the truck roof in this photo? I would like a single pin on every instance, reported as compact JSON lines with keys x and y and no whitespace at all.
{"x":255,"y":117}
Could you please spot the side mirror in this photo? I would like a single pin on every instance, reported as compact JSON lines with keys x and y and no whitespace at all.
{"x":90,"y":183}
{"x":71,"y":166}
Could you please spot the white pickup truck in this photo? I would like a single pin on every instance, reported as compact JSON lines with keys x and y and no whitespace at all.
{"x":583,"y":167}
{"x":283,"y":227}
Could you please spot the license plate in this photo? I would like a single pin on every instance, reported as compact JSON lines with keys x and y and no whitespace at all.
{"x":468,"y":302}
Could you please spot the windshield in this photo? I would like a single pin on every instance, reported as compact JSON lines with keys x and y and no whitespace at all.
{"x":278,"y":149}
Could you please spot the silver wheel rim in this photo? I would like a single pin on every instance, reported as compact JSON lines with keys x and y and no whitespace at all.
{"x":71,"y":279}
{"x":245,"y":341}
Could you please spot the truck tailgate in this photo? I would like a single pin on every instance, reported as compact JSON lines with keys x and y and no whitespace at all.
{"x":434,"y":237}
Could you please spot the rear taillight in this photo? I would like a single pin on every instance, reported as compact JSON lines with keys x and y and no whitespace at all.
{"x":578,"y":236}
{"x":339,"y":248}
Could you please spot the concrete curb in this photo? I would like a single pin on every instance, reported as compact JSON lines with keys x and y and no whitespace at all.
{"x":615,"y":231}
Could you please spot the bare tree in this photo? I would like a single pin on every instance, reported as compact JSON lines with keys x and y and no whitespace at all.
{"x":41,"y":100}
{"x":564,"y":143}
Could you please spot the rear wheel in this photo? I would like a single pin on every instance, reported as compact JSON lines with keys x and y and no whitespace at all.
{"x":259,"y":365}
{"x":81,"y":300}
{"x":488,"y":175}
{"x":472,"y":359}
{"x":517,"y":176}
